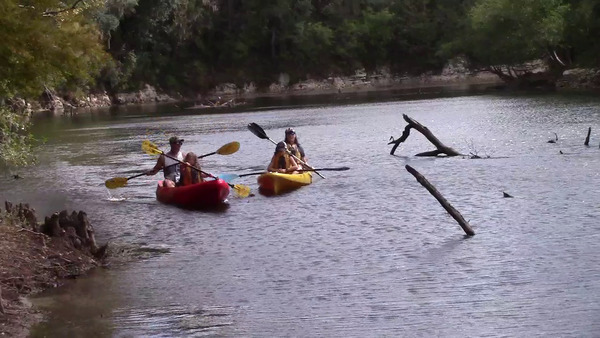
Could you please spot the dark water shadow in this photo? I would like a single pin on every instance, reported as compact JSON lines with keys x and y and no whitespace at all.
{"x":448,"y":246}
{"x":270,"y":193}
{"x":216,"y":209}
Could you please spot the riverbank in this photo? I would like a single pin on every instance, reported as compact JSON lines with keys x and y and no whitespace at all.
{"x":38,"y":256}
{"x":229,"y":93}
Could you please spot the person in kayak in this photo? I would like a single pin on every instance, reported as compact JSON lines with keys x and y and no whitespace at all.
{"x":282,"y":162}
{"x":190,"y":175}
{"x":291,"y":141}
{"x":169,"y":166}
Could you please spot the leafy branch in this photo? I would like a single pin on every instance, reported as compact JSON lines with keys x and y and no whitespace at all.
{"x":56,"y":12}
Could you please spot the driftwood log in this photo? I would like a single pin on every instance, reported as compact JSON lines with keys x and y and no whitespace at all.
{"x":449,"y":208}
{"x":440,"y":147}
{"x":587,"y":138}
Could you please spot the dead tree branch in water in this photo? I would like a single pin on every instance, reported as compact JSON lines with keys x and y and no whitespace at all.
{"x":587,"y":138}
{"x":441,"y":148}
{"x":554,"y":140}
{"x":449,"y":208}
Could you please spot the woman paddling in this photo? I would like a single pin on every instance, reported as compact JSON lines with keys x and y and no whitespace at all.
{"x":282,"y":162}
{"x":291,"y":141}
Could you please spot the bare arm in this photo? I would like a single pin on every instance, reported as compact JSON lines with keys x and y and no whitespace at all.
{"x":160,"y":163}
{"x":294,"y":166}
{"x":273,"y":167}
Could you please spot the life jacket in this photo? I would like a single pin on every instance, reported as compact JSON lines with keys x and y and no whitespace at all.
{"x":296,"y":150}
{"x":172,"y":172}
{"x":190,"y":175}
{"x":283,"y":160}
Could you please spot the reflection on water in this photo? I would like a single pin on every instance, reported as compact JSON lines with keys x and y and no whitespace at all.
{"x":365,"y":252}
{"x":79,"y":302}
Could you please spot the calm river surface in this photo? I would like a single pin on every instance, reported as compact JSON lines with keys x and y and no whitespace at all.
{"x":366,"y":252}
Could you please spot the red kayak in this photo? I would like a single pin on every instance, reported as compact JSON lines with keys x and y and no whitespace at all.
{"x":208,"y":194}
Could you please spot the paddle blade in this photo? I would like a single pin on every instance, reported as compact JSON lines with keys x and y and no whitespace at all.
{"x":241,"y":191}
{"x":257,"y":130}
{"x":229,"y":148}
{"x":116,"y":182}
{"x":150,"y":148}
{"x":228,"y":177}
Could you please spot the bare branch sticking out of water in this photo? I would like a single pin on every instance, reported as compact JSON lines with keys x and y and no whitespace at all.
{"x":474,"y":152}
{"x":449,"y":208}
{"x":587,"y":138}
{"x":413,"y":124}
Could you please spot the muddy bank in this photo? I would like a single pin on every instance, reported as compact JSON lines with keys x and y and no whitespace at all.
{"x":37,"y":256}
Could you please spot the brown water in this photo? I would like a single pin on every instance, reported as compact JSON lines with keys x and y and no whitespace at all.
{"x":365,"y":252}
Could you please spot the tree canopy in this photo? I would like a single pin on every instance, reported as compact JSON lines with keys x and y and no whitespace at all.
{"x":188,"y":46}
{"x":45,"y":44}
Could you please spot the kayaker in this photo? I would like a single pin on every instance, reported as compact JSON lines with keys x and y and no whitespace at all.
{"x":169,"y":166}
{"x":282,"y":162}
{"x":291,"y":140}
{"x":190,"y":175}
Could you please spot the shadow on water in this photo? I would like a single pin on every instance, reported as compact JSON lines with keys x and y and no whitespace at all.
{"x":85,"y":306}
{"x":216,"y":209}
{"x":445,"y":248}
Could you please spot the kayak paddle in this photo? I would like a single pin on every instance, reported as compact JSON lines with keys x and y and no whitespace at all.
{"x":227,"y":149}
{"x":229,"y":177}
{"x":119,"y":182}
{"x":258,"y":131}
{"x":152,"y":149}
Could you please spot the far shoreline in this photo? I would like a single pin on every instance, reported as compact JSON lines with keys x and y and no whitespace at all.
{"x":576,"y":81}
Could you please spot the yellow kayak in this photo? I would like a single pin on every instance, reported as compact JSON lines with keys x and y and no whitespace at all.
{"x":277,"y":183}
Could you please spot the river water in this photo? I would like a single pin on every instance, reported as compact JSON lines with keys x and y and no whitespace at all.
{"x":364,"y":252}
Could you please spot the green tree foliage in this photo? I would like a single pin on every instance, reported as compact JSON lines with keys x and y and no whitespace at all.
{"x":583,"y":25}
{"x":512,"y":32}
{"x":192,"y":45}
{"x":45,"y":43}
{"x":312,"y":43}
{"x":423,"y":30}
{"x":373,"y":37}
{"x":42,"y":46}
{"x":15,"y":142}
{"x":158,"y":43}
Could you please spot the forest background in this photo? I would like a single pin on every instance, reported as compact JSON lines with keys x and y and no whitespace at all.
{"x":73,"y":48}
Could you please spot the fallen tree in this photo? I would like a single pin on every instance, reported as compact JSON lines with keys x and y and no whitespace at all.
{"x":412,"y":124}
